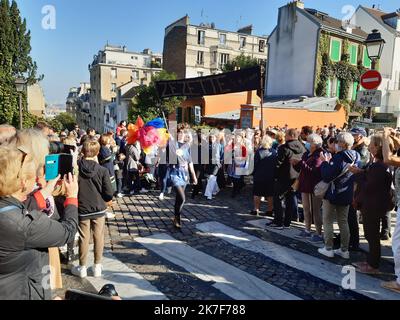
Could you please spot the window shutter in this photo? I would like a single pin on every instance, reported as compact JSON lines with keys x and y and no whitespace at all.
{"x":335,"y":50}
{"x":338,"y":88}
{"x":353,"y":54}
{"x":328,"y":88}
{"x":366,"y":60}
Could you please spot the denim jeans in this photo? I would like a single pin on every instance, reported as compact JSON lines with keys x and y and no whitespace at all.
{"x":291,"y":210}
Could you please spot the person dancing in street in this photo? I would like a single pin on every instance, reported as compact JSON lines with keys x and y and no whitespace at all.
{"x":179,"y":173}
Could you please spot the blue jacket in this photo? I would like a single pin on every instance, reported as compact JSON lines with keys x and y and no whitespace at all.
{"x":341,"y":191}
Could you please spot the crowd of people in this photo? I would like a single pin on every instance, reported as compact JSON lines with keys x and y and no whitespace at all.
{"x":337,"y":175}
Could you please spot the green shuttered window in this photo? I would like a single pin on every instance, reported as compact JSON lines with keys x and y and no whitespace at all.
{"x":353,"y":54}
{"x":335,"y":50}
{"x":366,"y":59}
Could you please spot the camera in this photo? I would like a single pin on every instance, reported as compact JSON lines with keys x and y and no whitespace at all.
{"x":56,"y":148}
{"x":59,"y":148}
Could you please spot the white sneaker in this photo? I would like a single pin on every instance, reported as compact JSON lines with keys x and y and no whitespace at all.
{"x":97,"y":270}
{"x":79,"y":271}
{"x":144,"y":190}
{"x":120,"y":195}
{"x":110,"y":215}
{"x":327,"y":253}
{"x":161,"y":197}
{"x":343,"y":254}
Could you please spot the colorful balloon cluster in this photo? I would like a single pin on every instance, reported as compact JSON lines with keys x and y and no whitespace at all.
{"x":150,"y":135}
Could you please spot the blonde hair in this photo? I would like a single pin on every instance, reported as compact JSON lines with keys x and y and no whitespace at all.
{"x":36,"y":144}
{"x":90,"y":149}
{"x":69,"y":141}
{"x":280,"y":137}
{"x":266,"y":142}
{"x":105,"y":139}
{"x":14,"y":168}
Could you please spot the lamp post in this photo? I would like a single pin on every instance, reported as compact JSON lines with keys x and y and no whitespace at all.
{"x":20,"y":85}
{"x":262,"y":70}
{"x":374,"y":45}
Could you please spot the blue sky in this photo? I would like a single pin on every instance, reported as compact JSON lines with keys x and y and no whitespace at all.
{"x":84,"y":26}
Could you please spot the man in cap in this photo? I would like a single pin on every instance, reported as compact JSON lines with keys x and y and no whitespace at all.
{"x":360,"y":145}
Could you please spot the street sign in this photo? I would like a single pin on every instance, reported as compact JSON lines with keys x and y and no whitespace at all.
{"x":371,"y":80}
{"x":369,"y":98}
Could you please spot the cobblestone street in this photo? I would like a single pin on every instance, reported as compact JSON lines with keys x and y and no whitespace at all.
{"x":219,"y":246}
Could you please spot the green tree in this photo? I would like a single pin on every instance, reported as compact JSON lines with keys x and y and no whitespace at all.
{"x":66,"y":120}
{"x":148,"y":105}
{"x":15,"y":61}
{"x":240,"y":62}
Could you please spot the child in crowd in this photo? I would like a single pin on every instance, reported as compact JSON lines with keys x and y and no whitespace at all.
{"x":95,"y":190}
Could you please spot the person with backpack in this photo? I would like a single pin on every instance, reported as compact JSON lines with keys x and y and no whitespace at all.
{"x":285,"y":177}
{"x":339,"y":196}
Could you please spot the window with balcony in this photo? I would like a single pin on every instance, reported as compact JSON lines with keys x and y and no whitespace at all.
{"x":242,"y":42}
{"x":135,"y":75}
{"x":200,"y":57}
{"x":113,"y":99}
{"x":261,"y":46}
{"x":201,"y":37}
{"x":113,"y":87}
{"x":223,"y":59}
{"x":222,"y":39}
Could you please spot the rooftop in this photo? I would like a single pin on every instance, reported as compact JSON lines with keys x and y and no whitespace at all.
{"x":381,"y":16}
{"x":313,"y":104}
{"x":331,"y":23}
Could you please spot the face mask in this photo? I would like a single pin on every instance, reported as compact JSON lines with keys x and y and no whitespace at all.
{"x":338,"y":148}
{"x":308,"y":146}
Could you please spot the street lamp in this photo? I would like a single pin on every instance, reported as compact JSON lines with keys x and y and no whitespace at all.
{"x":374,"y":45}
{"x":20,"y":85}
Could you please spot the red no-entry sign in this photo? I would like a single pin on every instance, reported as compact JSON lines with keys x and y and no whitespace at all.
{"x":371,"y":80}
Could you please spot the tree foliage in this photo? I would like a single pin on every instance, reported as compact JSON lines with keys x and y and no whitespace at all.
{"x":15,"y":61}
{"x":148,"y":105}
{"x":240,"y":62}
{"x":63,"y":121}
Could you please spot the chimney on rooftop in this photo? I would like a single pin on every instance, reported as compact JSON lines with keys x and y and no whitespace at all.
{"x":299,"y":4}
{"x":246,"y":30}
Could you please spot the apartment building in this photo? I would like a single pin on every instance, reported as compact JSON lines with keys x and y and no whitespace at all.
{"x":294,"y":64}
{"x":201,"y":50}
{"x":113,"y":67}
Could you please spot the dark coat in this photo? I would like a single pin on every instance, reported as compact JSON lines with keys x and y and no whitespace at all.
{"x":342,"y":190}
{"x":283,"y":168}
{"x":264,"y":165}
{"x":373,"y":189}
{"x":106,"y":159}
{"x":25,"y":237}
{"x":310,"y":171}
{"x":95,"y":190}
